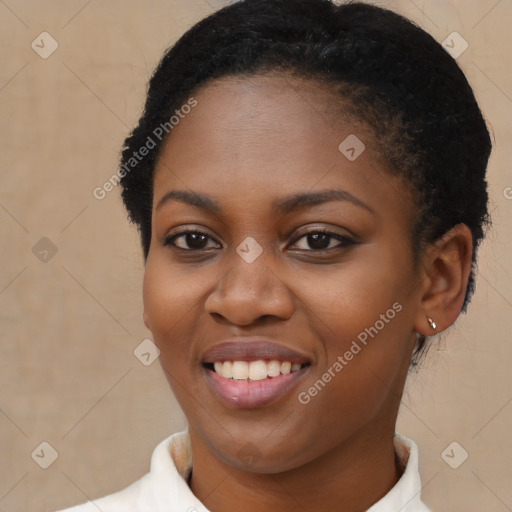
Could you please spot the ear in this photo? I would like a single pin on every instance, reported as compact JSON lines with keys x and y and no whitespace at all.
{"x":446,"y":269}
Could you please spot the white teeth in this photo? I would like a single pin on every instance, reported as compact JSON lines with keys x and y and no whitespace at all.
{"x":227,"y":370}
{"x":273,"y":368}
{"x":254,"y":370}
{"x":286,"y":367}
{"x":240,"y":370}
{"x":257,"y":370}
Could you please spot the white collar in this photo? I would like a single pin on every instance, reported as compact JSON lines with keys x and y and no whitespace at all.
{"x":165,"y":488}
{"x":171,"y":464}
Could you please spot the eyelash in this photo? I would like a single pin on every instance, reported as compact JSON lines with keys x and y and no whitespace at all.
{"x":344,"y":241}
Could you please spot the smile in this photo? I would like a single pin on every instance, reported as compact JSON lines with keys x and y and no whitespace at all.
{"x":254,"y":370}
{"x":249,"y":385}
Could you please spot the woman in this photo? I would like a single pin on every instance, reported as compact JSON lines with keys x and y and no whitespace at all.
{"x":308,"y":180}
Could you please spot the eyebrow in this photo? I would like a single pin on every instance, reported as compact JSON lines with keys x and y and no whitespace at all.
{"x":281,"y":206}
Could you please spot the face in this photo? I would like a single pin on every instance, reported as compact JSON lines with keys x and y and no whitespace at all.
{"x":328,"y":280}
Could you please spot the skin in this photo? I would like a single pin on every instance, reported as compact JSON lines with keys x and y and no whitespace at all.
{"x":249,"y":142}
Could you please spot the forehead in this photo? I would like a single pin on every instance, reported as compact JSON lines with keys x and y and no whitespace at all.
{"x":258,"y":136}
{"x":236,"y":108}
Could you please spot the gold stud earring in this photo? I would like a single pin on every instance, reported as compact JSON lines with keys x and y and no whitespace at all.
{"x":432,"y":323}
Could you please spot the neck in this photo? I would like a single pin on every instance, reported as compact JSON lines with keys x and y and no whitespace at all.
{"x":352,"y":476}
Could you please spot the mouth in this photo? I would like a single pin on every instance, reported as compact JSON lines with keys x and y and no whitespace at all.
{"x":253,"y":385}
{"x":251,"y":371}
{"x":248,"y":373}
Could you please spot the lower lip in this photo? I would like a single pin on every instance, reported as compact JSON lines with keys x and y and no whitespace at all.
{"x":252,"y":394}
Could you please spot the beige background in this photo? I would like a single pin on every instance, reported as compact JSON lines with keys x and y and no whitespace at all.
{"x":69,"y":326}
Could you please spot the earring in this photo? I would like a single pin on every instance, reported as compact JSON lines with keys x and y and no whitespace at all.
{"x":432,"y":323}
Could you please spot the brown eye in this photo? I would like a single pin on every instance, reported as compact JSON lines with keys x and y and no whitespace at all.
{"x":322,"y":240}
{"x":191,"y":240}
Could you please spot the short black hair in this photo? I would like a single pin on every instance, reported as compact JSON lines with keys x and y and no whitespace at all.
{"x":393,"y":76}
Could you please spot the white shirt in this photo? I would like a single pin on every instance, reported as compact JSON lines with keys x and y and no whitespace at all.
{"x":165,"y":488}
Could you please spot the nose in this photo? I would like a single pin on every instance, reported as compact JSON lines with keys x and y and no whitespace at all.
{"x":247,"y":292}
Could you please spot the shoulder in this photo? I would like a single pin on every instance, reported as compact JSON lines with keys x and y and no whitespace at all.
{"x":159,"y":485}
{"x":125,"y":499}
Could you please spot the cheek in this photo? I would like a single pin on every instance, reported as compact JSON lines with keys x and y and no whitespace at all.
{"x":172,"y":307}
{"x":351,"y":297}
{"x":363,"y":313}
{"x":357,"y":381}
{"x":171,"y":299}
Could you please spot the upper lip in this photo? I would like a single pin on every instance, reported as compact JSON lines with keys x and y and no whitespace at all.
{"x":252,"y":349}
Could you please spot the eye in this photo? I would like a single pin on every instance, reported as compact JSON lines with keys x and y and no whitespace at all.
{"x":321,"y":240}
{"x":318,"y":240}
{"x":190,"y":240}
